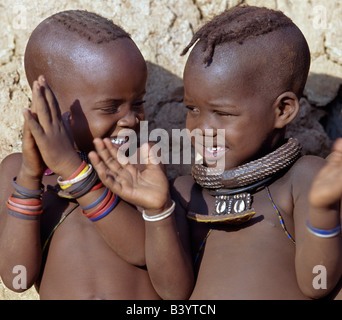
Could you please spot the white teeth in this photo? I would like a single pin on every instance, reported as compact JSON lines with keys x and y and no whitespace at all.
{"x":118,"y":141}
{"x":214,"y":149}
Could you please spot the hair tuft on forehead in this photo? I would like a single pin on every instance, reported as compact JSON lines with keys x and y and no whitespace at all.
{"x":88,"y":25}
{"x":236,"y":25}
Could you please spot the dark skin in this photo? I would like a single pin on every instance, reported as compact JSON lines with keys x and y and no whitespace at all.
{"x":256,"y":260}
{"x":98,"y":98}
{"x":260,"y":262}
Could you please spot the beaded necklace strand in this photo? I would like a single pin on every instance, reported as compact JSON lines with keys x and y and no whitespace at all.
{"x":282,"y":223}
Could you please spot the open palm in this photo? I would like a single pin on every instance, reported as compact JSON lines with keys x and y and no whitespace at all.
{"x":147,"y":187}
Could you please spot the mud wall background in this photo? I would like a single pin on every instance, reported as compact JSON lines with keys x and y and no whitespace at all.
{"x":161,"y":29}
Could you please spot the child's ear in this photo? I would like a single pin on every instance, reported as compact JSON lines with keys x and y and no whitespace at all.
{"x":286,"y":107}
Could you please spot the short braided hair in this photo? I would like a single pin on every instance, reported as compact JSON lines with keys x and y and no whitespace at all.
{"x":236,"y":25}
{"x":88,"y":25}
{"x":54,"y":31}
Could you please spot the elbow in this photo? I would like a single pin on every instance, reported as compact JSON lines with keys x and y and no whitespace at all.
{"x":15,"y":285}
{"x":316,"y":290}
{"x":171,"y":291}
{"x":314,"y":294}
{"x":18,"y":280}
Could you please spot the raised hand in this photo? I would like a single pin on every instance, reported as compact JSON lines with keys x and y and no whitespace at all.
{"x":48,"y":131}
{"x":326,"y":189}
{"x":147,"y":188}
{"x":32,"y":165}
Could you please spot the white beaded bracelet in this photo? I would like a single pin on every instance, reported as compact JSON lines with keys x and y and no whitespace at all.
{"x":160,"y":216}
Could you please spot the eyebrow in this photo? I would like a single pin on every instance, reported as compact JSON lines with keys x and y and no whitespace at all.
{"x":222,"y":105}
{"x":108,"y":102}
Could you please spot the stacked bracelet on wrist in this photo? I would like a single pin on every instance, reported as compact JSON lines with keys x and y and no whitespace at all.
{"x":26,"y":204}
{"x":321,"y":233}
{"x":103,"y":206}
{"x":79,"y":183}
{"x":160,"y":216}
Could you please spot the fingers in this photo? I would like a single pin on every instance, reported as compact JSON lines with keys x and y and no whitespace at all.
{"x":110,"y":170}
{"x":106,"y":176}
{"x":50,"y":99}
{"x":39,"y":105}
{"x":98,"y":164}
{"x":44,"y":103}
{"x":31,"y":124}
{"x":107,"y":154}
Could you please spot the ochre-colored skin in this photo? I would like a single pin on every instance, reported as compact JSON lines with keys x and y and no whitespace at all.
{"x":99,"y":89}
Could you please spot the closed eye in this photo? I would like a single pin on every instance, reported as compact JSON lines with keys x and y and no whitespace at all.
{"x":223,"y":114}
{"x":110,"y":109}
{"x":192,"y":109}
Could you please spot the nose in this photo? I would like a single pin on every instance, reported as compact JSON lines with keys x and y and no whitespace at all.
{"x":204,"y":126}
{"x":128,"y":119}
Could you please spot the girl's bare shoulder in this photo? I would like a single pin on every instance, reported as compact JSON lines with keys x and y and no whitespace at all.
{"x":307,"y":165}
{"x":303,"y":172}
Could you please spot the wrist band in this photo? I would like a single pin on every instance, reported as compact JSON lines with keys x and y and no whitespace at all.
{"x":28,"y":193}
{"x":96,"y":187}
{"x":78,"y":171}
{"x":78,"y":189}
{"x":324,"y":233}
{"x":106,"y":203}
{"x":92,"y":205}
{"x":159,"y":216}
{"x":23,"y":216}
{"x":107,"y":211}
{"x":25,"y":206}
{"x":80,"y":177}
{"x":25,"y":209}
{"x":105,"y":198}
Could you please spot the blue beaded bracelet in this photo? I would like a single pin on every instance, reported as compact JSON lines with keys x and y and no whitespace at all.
{"x":324,"y":233}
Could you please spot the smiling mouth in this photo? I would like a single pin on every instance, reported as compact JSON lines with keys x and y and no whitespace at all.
{"x":118,"y":142}
{"x":214,"y":152}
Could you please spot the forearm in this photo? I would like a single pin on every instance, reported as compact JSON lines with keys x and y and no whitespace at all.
{"x":170,"y":268}
{"x":323,"y":253}
{"x":20,"y":242}
{"x":124,"y":231}
{"x":20,"y":246}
